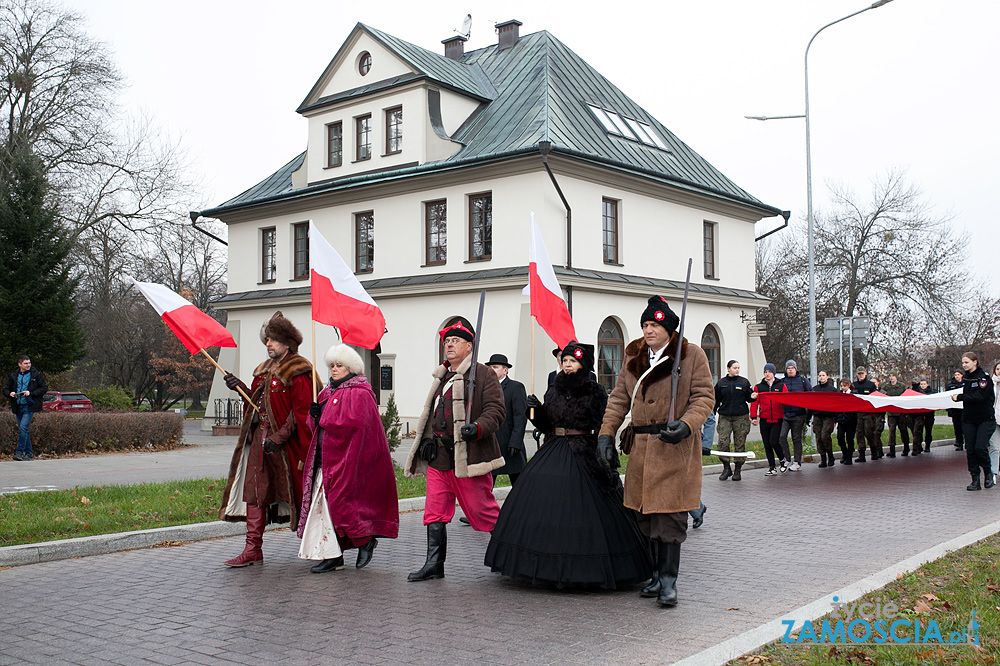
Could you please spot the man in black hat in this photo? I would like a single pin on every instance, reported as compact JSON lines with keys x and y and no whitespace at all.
{"x":510,"y":436}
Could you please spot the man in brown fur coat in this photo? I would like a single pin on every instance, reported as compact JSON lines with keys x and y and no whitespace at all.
{"x":455,"y":450}
{"x":663,"y":478}
{"x":265,"y":475}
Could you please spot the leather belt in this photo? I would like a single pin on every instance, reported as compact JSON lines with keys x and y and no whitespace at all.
{"x":565,"y":432}
{"x":651,"y":429}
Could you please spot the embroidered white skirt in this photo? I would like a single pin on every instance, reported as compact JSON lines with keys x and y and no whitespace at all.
{"x":319,"y":540}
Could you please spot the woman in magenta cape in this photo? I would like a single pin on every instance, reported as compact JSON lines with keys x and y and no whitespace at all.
{"x":349,"y":486}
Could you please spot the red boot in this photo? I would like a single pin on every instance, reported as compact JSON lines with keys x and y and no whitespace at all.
{"x":252,"y":553}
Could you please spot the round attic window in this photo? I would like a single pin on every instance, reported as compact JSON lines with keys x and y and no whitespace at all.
{"x":365,"y":63}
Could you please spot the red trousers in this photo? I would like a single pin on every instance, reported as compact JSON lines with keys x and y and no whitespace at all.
{"x":474,"y":494}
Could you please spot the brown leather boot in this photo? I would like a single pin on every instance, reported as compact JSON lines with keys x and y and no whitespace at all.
{"x":252,"y":553}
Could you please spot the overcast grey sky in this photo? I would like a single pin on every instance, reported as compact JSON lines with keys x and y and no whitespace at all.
{"x":912,"y":84}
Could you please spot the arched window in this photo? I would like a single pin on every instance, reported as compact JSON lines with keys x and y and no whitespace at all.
{"x":610,"y":352}
{"x":454,"y":320}
{"x":710,"y":343}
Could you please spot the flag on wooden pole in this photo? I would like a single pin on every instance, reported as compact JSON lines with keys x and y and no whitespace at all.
{"x":547,"y":304}
{"x":195,"y":329}
{"x":338,"y":299}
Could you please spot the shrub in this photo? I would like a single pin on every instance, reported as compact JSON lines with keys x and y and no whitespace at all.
{"x":110,"y":397}
{"x":55,"y":433}
{"x":390,"y":423}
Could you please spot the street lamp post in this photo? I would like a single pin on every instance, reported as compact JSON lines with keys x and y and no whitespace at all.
{"x":813,"y":363}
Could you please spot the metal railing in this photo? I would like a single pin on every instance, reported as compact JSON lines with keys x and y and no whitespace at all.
{"x":228,"y":411}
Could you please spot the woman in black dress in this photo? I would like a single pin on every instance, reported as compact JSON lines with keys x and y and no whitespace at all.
{"x":565,"y":523}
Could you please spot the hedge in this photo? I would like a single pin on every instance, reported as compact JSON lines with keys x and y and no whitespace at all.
{"x":55,"y":433}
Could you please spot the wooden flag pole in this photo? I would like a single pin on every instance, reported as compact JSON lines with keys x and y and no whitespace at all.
{"x":238,"y":388}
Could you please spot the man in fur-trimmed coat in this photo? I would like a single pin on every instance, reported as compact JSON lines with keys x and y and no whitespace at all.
{"x":265,"y":475}
{"x":663,"y":477}
{"x":455,"y":450}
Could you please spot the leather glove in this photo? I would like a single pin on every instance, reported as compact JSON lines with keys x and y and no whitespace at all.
{"x":315,"y":411}
{"x":606,"y":449}
{"x":533,"y":402}
{"x":428,"y":450}
{"x":675,"y":432}
{"x":470,"y":432}
{"x":233,"y":382}
{"x":272,"y":446}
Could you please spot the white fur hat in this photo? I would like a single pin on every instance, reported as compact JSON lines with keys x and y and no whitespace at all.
{"x":346,"y":356}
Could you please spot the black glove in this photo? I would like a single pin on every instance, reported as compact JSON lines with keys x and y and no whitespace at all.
{"x":675,"y":432}
{"x":428,"y":451}
{"x":271,"y":446}
{"x":233,"y":382}
{"x":315,"y":411}
{"x":470,"y":432}
{"x":606,"y":449}
{"x":533,"y":402}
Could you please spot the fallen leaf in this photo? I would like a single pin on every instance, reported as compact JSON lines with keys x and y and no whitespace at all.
{"x":898,"y":576}
{"x":947,"y":606}
{"x":921,"y":607}
{"x":929,"y":597}
{"x":732,"y":608}
{"x":84,"y":500}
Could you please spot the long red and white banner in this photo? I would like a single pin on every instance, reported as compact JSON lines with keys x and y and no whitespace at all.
{"x":910,"y":401}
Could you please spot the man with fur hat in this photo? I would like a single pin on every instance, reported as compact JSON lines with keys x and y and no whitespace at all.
{"x":456,"y":447}
{"x":663,"y":478}
{"x":265,"y":475}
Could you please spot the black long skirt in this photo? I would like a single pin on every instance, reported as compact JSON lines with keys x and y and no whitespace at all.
{"x":558,"y":527}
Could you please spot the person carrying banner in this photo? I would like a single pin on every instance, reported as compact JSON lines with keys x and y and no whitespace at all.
{"x":456,"y":447}
{"x":795,"y":418}
{"x":770,"y":414}
{"x":823,"y":422}
{"x":663,"y":477}
{"x":893,"y":388}
{"x":265,"y":475}
{"x":866,"y":420}
{"x":978,"y":419}
{"x":956,"y":414}
{"x":732,"y":394}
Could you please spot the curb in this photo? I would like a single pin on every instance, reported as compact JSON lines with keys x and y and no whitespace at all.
{"x":102,"y":544}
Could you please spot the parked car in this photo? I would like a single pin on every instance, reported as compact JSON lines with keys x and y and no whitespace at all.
{"x":55,"y":401}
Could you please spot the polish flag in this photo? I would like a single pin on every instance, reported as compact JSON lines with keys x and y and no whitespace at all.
{"x":547,"y":304}
{"x":195,"y":329}
{"x":338,"y":299}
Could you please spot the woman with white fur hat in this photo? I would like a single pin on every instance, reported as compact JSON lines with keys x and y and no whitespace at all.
{"x":349,"y":486}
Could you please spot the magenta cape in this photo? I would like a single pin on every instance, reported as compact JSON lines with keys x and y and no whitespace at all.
{"x":357,"y":469}
{"x":821,"y":401}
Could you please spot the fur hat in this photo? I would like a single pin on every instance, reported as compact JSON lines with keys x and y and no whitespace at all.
{"x":346,"y":356}
{"x":457,"y":331}
{"x":280,"y":329}
{"x":581,"y":352}
{"x":658,"y":311}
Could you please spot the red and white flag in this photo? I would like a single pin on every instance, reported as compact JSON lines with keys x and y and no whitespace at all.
{"x":195,"y":329}
{"x":338,"y":299}
{"x":547,"y":304}
{"x":823,"y":401}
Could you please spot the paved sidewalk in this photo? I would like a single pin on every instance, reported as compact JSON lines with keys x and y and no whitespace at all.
{"x":784,"y":542}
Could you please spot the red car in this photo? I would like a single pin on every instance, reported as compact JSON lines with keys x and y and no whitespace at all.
{"x":54,"y":401}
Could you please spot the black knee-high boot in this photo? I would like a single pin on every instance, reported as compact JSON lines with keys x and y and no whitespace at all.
{"x":667,"y":563}
{"x":437,"y":549}
{"x":653,"y":588}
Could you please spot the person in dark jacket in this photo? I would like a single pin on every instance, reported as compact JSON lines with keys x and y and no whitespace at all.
{"x":978,"y":419}
{"x":510,"y":436}
{"x":732,"y":394}
{"x":795,"y":418}
{"x":823,"y":422}
{"x":770,"y":415}
{"x":25,"y":388}
{"x":847,"y":425}
{"x":923,"y":422}
{"x":956,"y":414}
{"x":866,"y":420}
{"x":894,"y":387}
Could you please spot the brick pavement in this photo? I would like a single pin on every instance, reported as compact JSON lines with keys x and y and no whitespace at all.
{"x":798,"y":537}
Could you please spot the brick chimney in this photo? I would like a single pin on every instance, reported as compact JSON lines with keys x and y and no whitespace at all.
{"x":509,"y":33}
{"x":454,"y":47}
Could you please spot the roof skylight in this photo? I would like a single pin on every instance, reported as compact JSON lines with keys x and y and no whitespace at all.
{"x":627,"y":128}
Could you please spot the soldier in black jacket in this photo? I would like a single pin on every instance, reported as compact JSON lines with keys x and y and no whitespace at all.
{"x":866,"y":420}
{"x":847,"y":425}
{"x":822,"y":422}
{"x":732,"y":394}
{"x":956,"y":414}
{"x":923,"y":422}
{"x":978,"y":421}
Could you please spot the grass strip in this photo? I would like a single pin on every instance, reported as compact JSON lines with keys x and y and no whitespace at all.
{"x":944,"y":592}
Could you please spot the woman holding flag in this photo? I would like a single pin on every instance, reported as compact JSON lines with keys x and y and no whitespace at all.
{"x":565,"y":523}
{"x":349,"y":486}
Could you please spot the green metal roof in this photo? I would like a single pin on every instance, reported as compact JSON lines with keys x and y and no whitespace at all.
{"x":536,"y":91}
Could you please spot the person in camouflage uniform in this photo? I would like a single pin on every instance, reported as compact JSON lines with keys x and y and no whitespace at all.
{"x":894,"y":388}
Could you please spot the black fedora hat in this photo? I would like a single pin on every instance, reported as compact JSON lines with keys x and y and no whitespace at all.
{"x":498,"y":359}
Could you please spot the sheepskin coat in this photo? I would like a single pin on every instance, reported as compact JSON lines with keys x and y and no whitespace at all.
{"x":480,"y":456}
{"x":662,"y":477}
{"x":283,"y":392}
{"x":354,"y":463}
